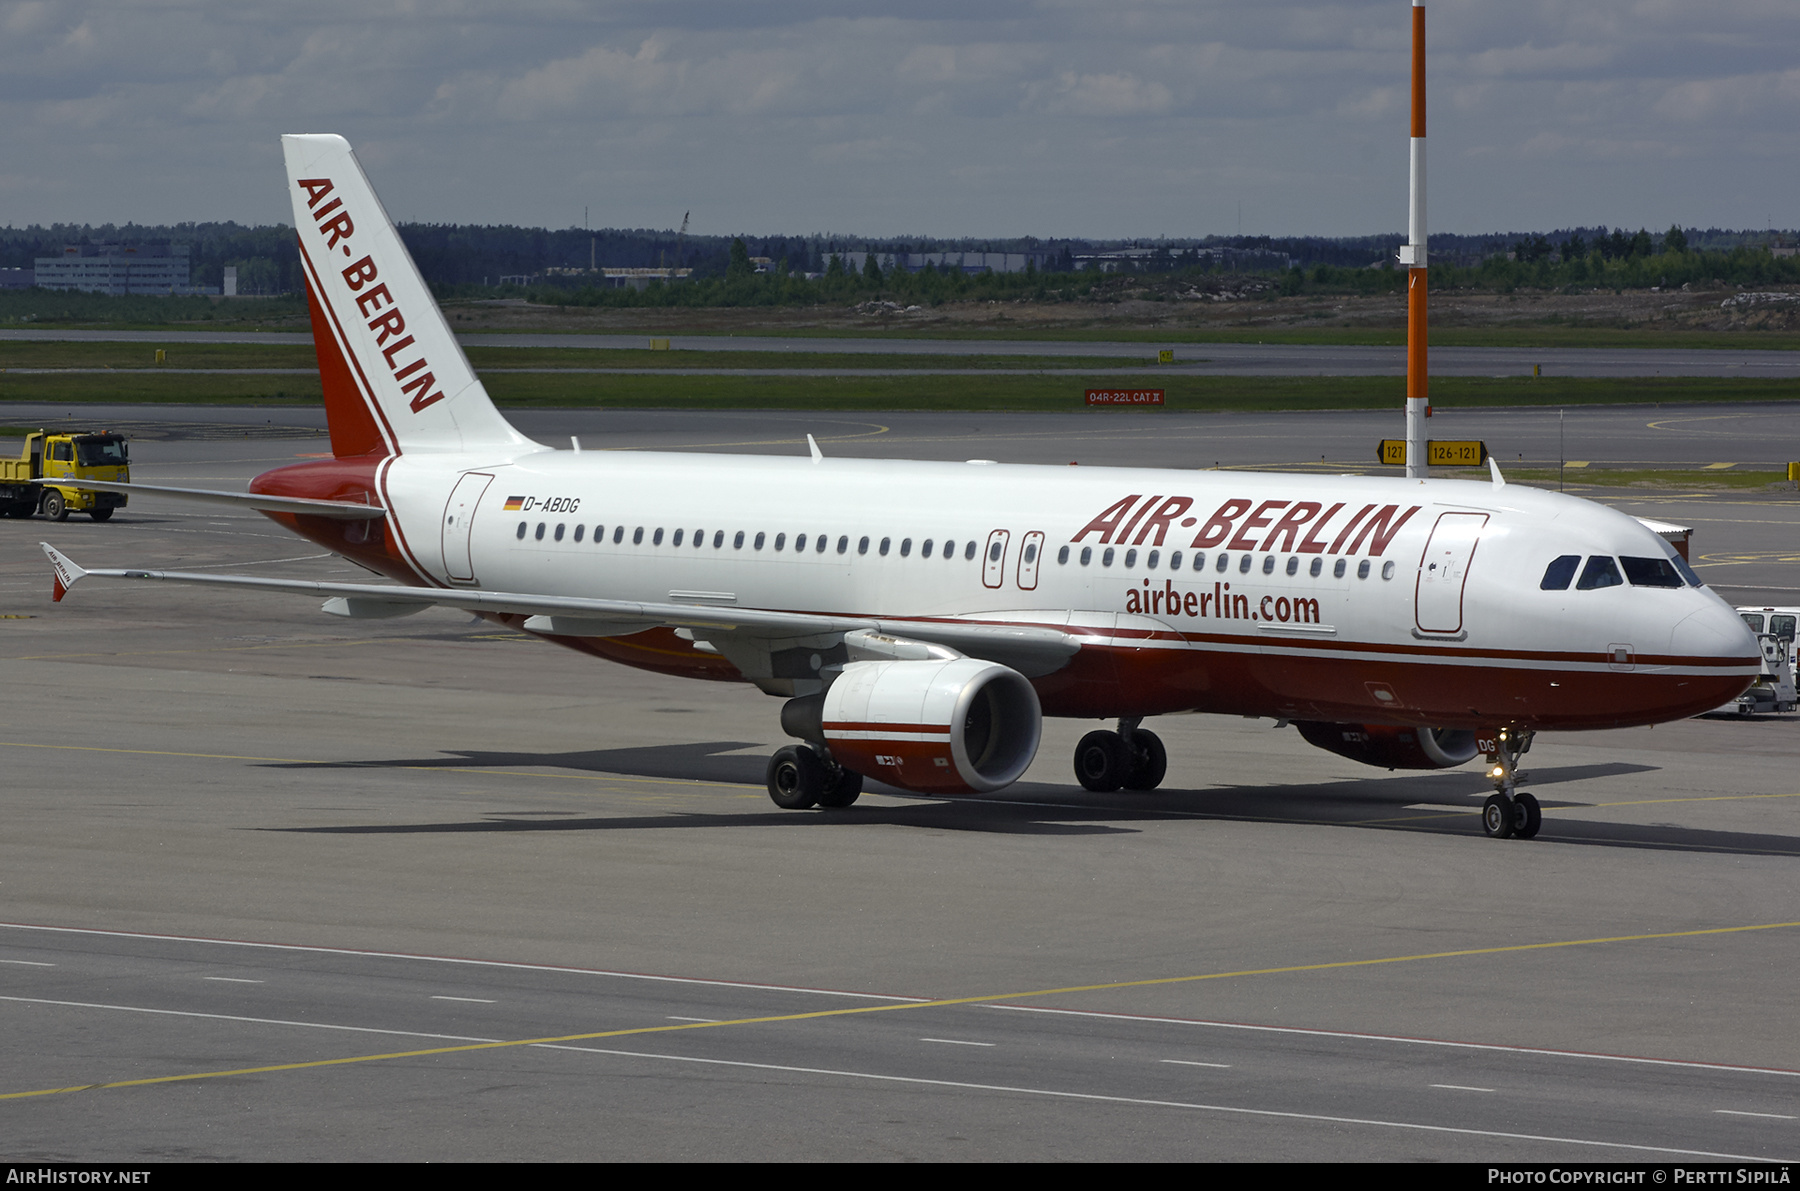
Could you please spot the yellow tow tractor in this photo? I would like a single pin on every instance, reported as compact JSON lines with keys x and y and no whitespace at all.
{"x":44,"y":478}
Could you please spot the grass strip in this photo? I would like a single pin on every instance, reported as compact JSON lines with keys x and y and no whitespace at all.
{"x":865,"y":393}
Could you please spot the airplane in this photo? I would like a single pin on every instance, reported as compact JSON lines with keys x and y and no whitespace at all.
{"x":920,"y":619}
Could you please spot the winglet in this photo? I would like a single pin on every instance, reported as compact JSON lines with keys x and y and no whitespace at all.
{"x":1499,"y":480}
{"x":817,"y":455}
{"x":63,"y":570}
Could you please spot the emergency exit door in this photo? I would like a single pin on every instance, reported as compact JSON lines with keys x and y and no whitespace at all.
{"x":1444,"y":572}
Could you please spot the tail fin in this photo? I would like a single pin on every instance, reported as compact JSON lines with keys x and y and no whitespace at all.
{"x":395,"y":378}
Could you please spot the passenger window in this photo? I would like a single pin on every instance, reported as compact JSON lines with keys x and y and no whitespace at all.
{"x":1224,"y":561}
{"x":780,"y":542}
{"x":581,"y":529}
{"x":1087,"y":555}
{"x":1318,"y":567}
{"x":862,"y":545}
{"x":1560,"y":571}
{"x":1174,"y":560}
{"x":1062,"y":557}
{"x":1601,"y":571}
{"x":905,"y":547}
{"x":539,"y":535}
{"x":949,"y":548}
{"x":1243,"y":564}
{"x":718,"y":539}
{"x":656,"y":538}
{"x":885,"y":544}
{"x":558,"y":535}
{"x":969,"y":551}
{"x":1362,"y":569}
{"x":925,"y":548}
{"x":1200,"y":561}
{"x":1650,"y":572}
{"x":820,"y":544}
{"x":737,"y":543}
{"x":799,"y":543}
{"x":1130,"y":559}
{"x":843,"y":543}
{"x":1337,"y":571}
{"x":1149,"y":562}
{"x":1268,"y":564}
{"x":599,"y":532}
{"x":1387,"y":569}
{"x":618,"y":534}
{"x":674,"y":541}
{"x":1107,"y":557}
{"x":1293,"y":567}
{"x":521,"y":531}
{"x":637,"y":536}
{"x":1031,"y":554}
{"x":758,"y":543}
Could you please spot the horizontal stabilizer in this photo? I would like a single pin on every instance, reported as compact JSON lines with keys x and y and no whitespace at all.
{"x":340,"y":510}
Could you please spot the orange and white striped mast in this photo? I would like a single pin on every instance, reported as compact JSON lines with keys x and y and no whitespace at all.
{"x":1412,"y":255}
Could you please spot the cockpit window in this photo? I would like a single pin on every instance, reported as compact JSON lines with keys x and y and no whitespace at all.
{"x":1559,"y":572}
{"x":1600,"y":571}
{"x":1650,"y":572}
{"x":1687,"y":572}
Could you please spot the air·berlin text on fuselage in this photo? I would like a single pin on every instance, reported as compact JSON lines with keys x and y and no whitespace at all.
{"x":1300,"y":527}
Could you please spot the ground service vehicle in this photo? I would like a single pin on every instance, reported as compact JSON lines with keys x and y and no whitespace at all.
{"x":920,"y":619}
{"x":1774,"y":688}
{"x":25,"y":486}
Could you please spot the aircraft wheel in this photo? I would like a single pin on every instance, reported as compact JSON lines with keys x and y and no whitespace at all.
{"x":1149,"y":761}
{"x":101,"y":514}
{"x":1100,"y":761}
{"x":843,"y":791}
{"x":795,"y":778}
{"x":1498,"y":816}
{"x":53,"y":506}
{"x":1528,"y":816}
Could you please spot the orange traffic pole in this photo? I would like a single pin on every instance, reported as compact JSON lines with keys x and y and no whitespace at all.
{"x":1418,"y":402}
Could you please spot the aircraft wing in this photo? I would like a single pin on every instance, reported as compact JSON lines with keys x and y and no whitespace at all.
{"x":341,"y":510}
{"x":1032,"y":649}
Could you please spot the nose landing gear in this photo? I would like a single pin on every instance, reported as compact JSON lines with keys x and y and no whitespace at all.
{"x":1508,"y":812}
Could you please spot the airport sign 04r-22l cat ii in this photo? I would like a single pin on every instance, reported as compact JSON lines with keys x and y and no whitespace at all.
{"x":920,"y":619}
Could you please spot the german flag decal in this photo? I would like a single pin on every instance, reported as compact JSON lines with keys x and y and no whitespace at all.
{"x":514,"y":503}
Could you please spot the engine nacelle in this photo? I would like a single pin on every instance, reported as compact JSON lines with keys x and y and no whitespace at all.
{"x":952,"y":726}
{"x":1393,"y":747}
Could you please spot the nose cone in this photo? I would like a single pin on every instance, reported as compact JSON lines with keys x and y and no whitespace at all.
{"x":1716,"y":632}
{"x":1719,"y":652}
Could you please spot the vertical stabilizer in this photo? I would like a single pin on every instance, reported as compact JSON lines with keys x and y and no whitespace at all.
{"x":395,"y":378}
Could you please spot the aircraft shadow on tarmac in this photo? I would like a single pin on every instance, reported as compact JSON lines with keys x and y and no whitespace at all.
{"x":1445,"y":803}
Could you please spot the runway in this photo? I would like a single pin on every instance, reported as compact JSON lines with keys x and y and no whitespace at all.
{"x":429,"y":890}
{"x":1218,"y":359}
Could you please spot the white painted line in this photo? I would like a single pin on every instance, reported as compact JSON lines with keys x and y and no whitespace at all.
{"x":956,"y":1042}
{"x":451,"y":959}
{"x":27,"y":963}
{"x":469,"y":1000}
{"x":672,"y":1017}
{"x":1773,"y":1116}
{"x":1194,"y":1107}
{"x":231,"y":979}
{"x":1519,"y":1050}
{"x":1457,"y":1087}
{"x":1192,"y":1063}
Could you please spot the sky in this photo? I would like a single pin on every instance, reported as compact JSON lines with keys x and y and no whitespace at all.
{"x":1121,"y":118}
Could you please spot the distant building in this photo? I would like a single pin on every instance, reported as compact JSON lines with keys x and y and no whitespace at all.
{"x":963,"y":262}
{"x":120,"y":269}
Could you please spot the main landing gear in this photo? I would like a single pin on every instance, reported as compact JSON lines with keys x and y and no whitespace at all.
{"x":1130,"y":758}
{"x":1508,"y":812}
{"x":799,"y":777}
